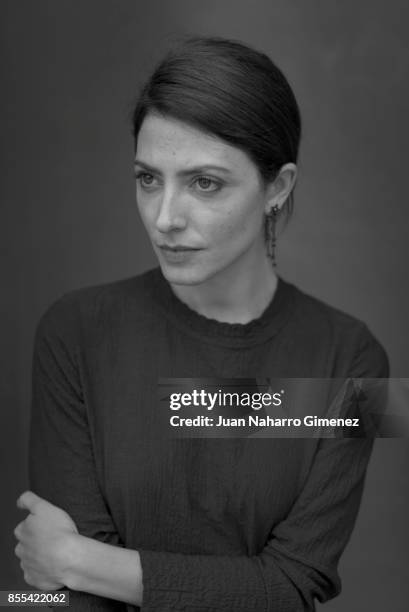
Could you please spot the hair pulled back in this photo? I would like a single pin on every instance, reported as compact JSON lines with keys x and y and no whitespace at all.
{"x":231,"y":91}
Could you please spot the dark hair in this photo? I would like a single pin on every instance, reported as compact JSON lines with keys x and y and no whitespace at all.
{"x":232,"y":91}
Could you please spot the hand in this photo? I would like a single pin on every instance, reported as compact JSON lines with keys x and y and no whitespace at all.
{"x":43,"y":542}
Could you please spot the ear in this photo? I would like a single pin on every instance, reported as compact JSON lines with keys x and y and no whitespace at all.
{"x":279,"y":189}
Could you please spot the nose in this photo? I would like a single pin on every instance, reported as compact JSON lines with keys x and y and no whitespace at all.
{"x":170,"y":216}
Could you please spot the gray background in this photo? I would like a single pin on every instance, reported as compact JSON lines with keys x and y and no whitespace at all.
{"x":70,"y":71}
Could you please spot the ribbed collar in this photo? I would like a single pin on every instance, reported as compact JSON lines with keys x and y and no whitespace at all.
{"x":239,"y":335}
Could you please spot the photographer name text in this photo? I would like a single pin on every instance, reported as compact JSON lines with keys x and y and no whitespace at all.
{"x":259,"y":421}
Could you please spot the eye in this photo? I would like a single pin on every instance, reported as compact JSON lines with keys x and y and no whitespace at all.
{"x":207,"y":184}
{"x":145,"y":179}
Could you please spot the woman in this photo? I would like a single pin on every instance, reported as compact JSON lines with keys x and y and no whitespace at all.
{"x":121,"y":517}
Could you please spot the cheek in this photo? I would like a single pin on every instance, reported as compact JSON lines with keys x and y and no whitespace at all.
{"x":241,"y":224}
{"x":145,"y":213}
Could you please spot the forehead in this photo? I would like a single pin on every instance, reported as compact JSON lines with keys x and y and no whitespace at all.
{"x":164,"y":141}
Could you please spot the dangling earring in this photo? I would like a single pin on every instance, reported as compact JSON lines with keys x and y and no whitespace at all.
{"x":270,"y":233}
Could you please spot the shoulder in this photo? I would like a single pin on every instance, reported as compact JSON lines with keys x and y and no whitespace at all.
{"x":98,"y":305}
{"x":349,"y":338}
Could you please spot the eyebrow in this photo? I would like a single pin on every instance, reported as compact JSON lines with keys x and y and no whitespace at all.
{"x":187,"y":172}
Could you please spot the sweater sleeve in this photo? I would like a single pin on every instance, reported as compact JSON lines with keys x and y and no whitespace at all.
{"x":61,"y":462}
{"x":298,"y":563}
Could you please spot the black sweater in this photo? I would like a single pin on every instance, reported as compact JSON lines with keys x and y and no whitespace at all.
{"x":221,"y":524}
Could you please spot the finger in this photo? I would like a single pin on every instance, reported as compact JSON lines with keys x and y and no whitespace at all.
{"x":18,"y":530}
{"x":29,"y":501}
{"x":28,"y":579}
{"x":37,"y":580}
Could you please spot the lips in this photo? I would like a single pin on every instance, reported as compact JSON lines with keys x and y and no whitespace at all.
{"x":177,"y":248}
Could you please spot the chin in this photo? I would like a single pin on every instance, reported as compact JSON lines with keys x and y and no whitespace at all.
{"x":184,"y":275}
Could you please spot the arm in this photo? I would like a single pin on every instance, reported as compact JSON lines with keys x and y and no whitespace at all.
{"x":286,"y":576}
{"x":61,"y":462}
{"x":105,"y":570}
{"x":299,"y":561}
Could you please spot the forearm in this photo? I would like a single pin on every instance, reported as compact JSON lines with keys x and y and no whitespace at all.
{"x":104,"y":570}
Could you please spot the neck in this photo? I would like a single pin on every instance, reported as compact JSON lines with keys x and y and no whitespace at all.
{"x":235,"y":295}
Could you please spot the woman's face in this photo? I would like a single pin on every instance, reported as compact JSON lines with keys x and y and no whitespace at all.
{"x":201,"y":200}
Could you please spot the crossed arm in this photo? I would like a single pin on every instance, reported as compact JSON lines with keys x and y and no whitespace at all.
{"x":290,"y":572}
